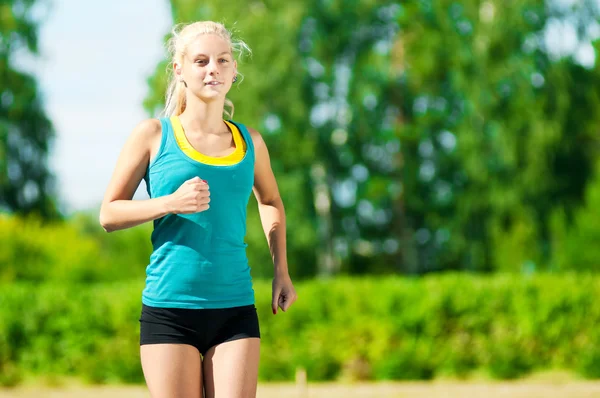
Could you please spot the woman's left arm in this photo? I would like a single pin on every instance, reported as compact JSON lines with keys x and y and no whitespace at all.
{"x":272,"y":216}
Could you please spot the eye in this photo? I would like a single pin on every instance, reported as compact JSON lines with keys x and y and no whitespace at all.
{"x":224,"y":60}
{"x":201,"y":61}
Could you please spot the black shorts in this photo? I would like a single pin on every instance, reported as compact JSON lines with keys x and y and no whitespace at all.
{"x":201,"y":328}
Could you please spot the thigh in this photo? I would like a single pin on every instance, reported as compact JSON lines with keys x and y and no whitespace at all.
{"x":231,"y":369}
{"x":172,"y":370}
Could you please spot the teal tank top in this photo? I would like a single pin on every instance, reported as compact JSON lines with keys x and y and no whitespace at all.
{"x":199,"y":260}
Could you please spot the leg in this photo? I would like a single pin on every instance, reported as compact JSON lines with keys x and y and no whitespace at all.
{"x":172,"y":370}
{"x":231,"y":369}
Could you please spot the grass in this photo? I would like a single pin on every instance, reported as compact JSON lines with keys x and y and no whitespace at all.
{"x":441,"y":389}
{"x":547,"y":384}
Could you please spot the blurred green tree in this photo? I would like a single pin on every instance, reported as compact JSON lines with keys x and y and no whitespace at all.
{"x":350,"y":86}
{"x":498,"y":129}
{"x":289,"y":95}
{"x":418,"y":136}
{"x":26,"y":184}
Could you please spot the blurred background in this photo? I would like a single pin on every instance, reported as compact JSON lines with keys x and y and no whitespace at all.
{"x":438,"y":162}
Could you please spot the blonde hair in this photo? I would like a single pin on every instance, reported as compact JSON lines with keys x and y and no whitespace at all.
{"x":182,"y":36}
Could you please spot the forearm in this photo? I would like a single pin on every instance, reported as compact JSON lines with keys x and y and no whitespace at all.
{"x":122,"y":214}
{"x":272,"y":216}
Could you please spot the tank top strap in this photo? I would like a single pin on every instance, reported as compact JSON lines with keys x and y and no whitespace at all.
{"x":168,"y":136}
{"x":164,"y":138}
{"x":246,"y":135}
{"x":168,"y":142}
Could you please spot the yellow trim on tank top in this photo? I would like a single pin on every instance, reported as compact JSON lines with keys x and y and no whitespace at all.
{"x":187,"y":148}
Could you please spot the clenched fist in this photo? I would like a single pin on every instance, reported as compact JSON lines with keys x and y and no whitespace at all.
{"x":192,"y":196}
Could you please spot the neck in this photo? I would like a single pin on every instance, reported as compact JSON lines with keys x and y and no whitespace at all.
{"x":203,"y":117}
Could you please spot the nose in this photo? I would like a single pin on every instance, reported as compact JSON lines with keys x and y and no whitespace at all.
{"x":212,"y":68}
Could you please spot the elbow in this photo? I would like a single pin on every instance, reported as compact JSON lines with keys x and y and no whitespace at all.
{"x":105,"y":222}
{"x":273,"y":202}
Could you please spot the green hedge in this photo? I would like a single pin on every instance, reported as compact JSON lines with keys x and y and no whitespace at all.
{"x":79,"y":250}
{"x":376,"y":329}
{"x":74,"y":251}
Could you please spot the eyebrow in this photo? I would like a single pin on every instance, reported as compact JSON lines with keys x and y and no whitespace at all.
{"x":204,"y":55}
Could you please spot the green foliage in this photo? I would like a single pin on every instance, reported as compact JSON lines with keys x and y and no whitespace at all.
{"x":79,"y":250}
{"x":406,"y":137}
{"x":424,"y":136}
{"x":36,"y":252}
{"x":369,"y":328}
{"x":576,"y":241}
{"x":57,"y":329}
{"x":74,"y":251}
{"x":488,"y":114}
{"x":516,"y":248}
{"x":26,"y":184}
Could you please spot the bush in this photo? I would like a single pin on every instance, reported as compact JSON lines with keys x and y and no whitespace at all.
{"x":368,"y":328}
{"x":79,"y":250}
{"x":74,"y":251}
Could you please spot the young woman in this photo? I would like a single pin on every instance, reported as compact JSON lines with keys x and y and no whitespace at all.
{"x":199,"y":327}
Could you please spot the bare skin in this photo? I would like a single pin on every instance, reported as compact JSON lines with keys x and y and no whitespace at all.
{"x":172,"y":370}
{"x":177,"y":370}
{"x":231,"y":369}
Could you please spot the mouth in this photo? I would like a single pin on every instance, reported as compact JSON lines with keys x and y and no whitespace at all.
{"x":213,"y":83}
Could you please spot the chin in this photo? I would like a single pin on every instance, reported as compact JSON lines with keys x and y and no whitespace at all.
{"x":211,"y":97}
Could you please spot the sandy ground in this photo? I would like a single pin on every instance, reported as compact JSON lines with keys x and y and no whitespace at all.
{"x":362,"y":390}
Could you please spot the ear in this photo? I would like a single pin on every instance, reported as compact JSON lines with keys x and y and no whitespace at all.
{"x":177,"y":69}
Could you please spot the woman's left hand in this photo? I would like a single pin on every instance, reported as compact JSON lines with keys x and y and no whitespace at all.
{"x":284,"y":293}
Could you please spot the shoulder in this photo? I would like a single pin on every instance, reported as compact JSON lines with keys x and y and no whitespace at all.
{"x":257,"y":138}
{"x":146,"y":133}
{"x":148,"y":128}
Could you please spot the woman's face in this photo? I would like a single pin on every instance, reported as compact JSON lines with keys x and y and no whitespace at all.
{"x":208,"y":67}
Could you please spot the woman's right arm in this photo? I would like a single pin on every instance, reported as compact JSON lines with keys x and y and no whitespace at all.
{"x":118,"y":211}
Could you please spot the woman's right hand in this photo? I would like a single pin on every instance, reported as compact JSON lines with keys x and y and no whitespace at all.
{"x":192,"y":196}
